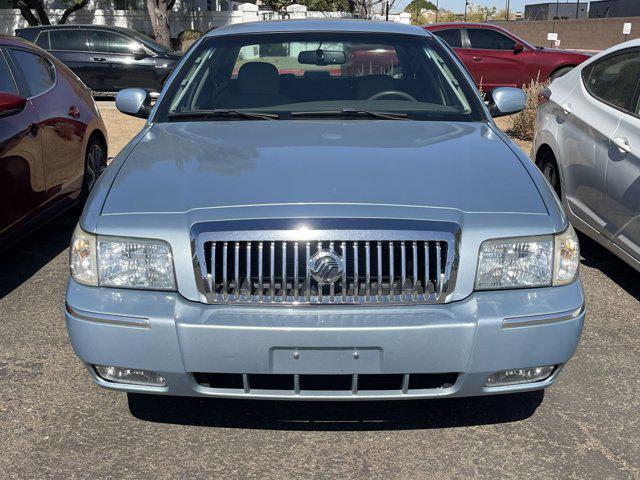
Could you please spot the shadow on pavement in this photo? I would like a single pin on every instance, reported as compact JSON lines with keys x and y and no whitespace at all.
{"x":28,"y":255}
{"x":335,"y":416}
{"x":596,"y":256}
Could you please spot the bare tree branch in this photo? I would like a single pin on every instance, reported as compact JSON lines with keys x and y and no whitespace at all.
{"x":72,"y":9}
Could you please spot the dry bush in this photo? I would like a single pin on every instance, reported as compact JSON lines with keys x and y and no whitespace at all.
{"x":523,"y":124}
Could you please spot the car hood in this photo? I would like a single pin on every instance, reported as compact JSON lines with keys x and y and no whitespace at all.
{"x":182,"y":166}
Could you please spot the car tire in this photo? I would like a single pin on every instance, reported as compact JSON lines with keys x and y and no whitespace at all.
{"x":94,"y":164}
{"x":549,"y":168}
{"x":559,"y":73}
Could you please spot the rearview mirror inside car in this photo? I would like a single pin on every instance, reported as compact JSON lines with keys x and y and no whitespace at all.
{"x":321,"y":57}
{"x":506,"y":101}
{"x":134,"y":101}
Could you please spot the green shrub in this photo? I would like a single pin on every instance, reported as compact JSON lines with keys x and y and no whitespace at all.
{"x":188,"y":37}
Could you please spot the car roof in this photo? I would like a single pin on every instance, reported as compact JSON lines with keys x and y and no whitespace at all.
{"x":461,"y":25}
{"x":319,"y":25}
{"x":80,"y":27}
{"x":11,"y":40}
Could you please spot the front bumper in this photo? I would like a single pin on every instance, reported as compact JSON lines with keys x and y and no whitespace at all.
{"x":485,"y":333}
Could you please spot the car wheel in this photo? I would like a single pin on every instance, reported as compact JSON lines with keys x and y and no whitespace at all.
{"x":549,"y":168}
{"x":95,"y":163}
{"x":560,"y":72}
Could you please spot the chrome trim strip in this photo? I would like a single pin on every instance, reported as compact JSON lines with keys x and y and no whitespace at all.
{"x":533,"y":320}
{"x":108,"y":319}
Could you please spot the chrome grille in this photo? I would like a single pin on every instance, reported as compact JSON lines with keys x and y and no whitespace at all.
{"x":400,"y":262}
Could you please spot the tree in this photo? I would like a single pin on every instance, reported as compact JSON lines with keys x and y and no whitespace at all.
{"x":159,"y":11}
{"x":40,"y":17}
{"x":416,"y":7}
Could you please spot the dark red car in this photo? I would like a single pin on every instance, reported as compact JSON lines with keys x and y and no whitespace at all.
{"x":53,"y":142}
{"x":497,"y":58}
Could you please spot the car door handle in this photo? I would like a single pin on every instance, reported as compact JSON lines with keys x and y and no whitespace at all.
{"x":623,"y":144}
{"x":98,"y":59}
{"x":73,"y":111}
{"x":566,"y":108}
{"x":477,"y":59}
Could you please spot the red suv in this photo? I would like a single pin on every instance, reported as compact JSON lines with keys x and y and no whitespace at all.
{"x":497,"y":58}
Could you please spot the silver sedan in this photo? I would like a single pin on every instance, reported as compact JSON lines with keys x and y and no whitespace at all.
{"x":587,"y":144}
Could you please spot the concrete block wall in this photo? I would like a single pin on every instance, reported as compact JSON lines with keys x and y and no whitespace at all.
{"x":585,"y":34}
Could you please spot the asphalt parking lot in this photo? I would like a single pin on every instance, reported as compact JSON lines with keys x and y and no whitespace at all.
{"x":54,"y":423}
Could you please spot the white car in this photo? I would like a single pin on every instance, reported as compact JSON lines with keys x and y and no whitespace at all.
{"x":587,"y":144}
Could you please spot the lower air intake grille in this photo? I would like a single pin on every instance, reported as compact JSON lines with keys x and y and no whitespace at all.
{"x":400,"y":383}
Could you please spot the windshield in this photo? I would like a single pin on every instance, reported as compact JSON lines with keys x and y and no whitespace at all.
{"x":302,"y":75}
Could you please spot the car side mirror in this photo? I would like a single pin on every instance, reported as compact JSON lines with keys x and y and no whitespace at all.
{"x":140,"y":55}
{"x":518,"y":47}
{"x":10,"y":104}
{"x":134,"y":101}
{"x":506,"y":101}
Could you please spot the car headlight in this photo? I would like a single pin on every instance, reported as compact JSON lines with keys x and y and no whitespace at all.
{"x":121,"y":262}
{"x":523,"y":262}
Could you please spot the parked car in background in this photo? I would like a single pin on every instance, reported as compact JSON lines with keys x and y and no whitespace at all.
{"x":497,"y":58}
{"x":587,"y":144}
{"x":53,"y":143}
{"x":106,"y":59}
{"x":376,"y":238}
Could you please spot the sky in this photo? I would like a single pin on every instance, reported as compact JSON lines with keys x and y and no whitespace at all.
{"x":458,"y":5}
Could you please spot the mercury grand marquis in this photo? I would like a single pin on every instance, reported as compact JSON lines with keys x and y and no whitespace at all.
{"x":295,"y":223}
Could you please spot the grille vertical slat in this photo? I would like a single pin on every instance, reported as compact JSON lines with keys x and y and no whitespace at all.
{"x":225,"y":285}
{"x":332,"y":287}
{"x":272,"y":271}
{"x":260,"y":271}
{"x":356,"y":280}
{"x":392,"y":287}
{"x":414,"y":248}
{"x":367,"y":271}
{"x":403,"y":276}
{"x":295,"y":273}
{"x":283,"y":287}
{"x":344,"y":285}
{"x":212,"y":269}
{"x":438,"y":269}
{"x":379,"y":252}
{"x":307,"y":280}
{"x":378,"y":271}
{"x":320,"y":287}
{"x":249,"y":280}
{"x":236,"y":270}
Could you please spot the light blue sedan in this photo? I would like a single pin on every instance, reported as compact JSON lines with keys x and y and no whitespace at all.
{"x":323,"y":210}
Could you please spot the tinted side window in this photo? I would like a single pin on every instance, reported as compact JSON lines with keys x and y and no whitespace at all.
{"x":98,"y":41}
{"x":43,"y":40}
{"x":614,"y":79}
{"x":122,"y":45}
{"x":36,"y":71}
{"x":6,"y":78}
{"x":451,"y":36}
{"x":489,"y":39}
{"x":68,"y":40}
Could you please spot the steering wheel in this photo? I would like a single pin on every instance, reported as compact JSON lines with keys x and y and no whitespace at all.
{"x":393,"y":95}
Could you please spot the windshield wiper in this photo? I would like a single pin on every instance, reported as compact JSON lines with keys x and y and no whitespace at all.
{"x":349,"y":112}
{"x":222,"y":113}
